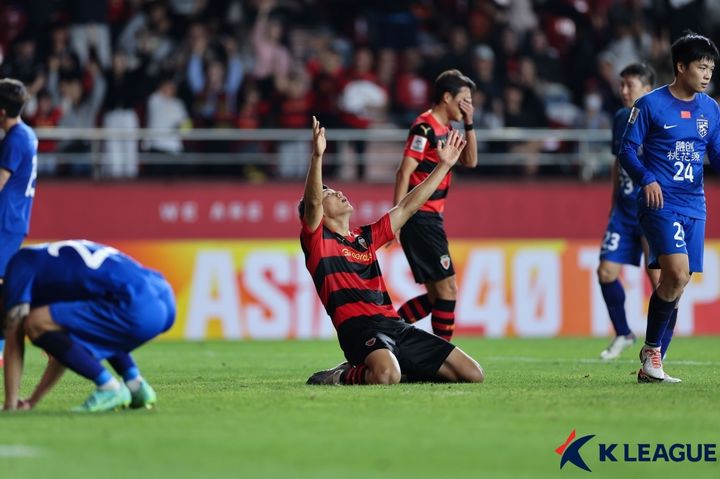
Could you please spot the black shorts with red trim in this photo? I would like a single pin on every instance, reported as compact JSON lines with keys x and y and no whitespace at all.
{"x":419,"y":353}
{"x":425,"y":244}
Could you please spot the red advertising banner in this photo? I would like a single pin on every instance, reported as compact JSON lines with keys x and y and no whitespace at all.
{"x":181,"y":210}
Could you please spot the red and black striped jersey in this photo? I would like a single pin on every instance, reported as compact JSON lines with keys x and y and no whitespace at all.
{"x":346,"y":272}
{"x":421,"y":145}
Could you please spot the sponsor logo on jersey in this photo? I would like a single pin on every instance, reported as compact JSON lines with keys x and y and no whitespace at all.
{"x":418,"y":143}
{"x":363,"y":257}
{"x":445,"y":261}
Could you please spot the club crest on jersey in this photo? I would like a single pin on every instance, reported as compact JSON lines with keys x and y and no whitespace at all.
{"x":370,"y":342}
{"x":445,"y":261}
{"x":361,"y":241}
{"x":633,"y":115}
{"x":702,"y":126}
{"x":418,"y":143}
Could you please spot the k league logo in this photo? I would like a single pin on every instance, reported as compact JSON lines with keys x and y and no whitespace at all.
{"x":619,"y":453}
{"x":702,"y":126}
{"x":570,"y":451}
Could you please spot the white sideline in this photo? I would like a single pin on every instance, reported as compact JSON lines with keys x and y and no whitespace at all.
{"x":19,"y":450}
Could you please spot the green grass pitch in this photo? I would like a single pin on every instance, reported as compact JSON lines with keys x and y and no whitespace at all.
{"x":242,"y":410}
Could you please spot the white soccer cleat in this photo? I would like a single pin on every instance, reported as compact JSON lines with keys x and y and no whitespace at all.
{"x":671,"y":380}
{"x":617,"y":346}
{"x":652,"y":366}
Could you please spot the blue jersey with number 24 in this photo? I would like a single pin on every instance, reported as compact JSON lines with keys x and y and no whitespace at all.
{"x":675,"y":135}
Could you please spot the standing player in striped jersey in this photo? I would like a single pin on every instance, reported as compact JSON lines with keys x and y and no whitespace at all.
{"x":623,"y":242}
{"x":676,"y":125}
{"x":18,"y":171}
{"x":378,"y":345}
{"x":423,"y":237}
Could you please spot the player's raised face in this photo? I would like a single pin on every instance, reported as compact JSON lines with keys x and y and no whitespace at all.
{"x":696,"y":75}
{"x":335,"y":203}
{"x":453,"y":105}
{"x":632,"y":88}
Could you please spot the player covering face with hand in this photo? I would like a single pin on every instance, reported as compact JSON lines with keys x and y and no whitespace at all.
{"x":342,"y":261}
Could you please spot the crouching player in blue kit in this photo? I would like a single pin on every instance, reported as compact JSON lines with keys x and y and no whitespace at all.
{"x":675,"y":125}
{"x":83,"y":302}
{"x":623,"y":242}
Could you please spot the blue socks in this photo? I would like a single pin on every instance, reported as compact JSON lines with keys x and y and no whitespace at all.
{"x":73,"y":356}
{"x":124,"y":365}
{"x":614,"y":295}
{"x":667,"y":337}
{"x":659,"y":314}
{"x":2,"y":345}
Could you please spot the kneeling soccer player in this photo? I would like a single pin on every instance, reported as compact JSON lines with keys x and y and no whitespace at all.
{"x":83,"y":302}
{"x":378,"y":345}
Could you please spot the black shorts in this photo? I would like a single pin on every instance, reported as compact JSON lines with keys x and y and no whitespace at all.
{"x":425,"y":244}
{"x":419,"y":353}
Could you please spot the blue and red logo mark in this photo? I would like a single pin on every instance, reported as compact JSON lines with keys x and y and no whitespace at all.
{"x":570,"y":451}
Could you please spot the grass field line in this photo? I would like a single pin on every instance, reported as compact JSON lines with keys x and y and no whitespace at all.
{"x":19,"y":450}
{"x":530,"y":359}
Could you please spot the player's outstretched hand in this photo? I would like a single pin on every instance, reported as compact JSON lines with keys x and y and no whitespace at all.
{"x":653,"y":196}
{"x":319,"y":142}
{"x":450,"y":150}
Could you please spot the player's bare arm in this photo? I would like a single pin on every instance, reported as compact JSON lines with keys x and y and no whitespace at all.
{"x":14,"y":354}
{"x":653,"y":195}
{"x":448,"y":155}
{"x":53,"y":372}
{"x":469,"y":157}
{"x":313,"y":195}
{"x":4,"y":177}
{"x":402,"y":177}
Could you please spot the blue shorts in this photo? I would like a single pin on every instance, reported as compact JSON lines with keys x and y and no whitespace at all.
{"x":670,"y":233}
{"x":9,"y":245}
{"x":110,"y":326}
{"x":622,"y":242}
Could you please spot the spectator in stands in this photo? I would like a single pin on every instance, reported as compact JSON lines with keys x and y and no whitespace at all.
{"x":89,"y":31}
{"x":272,"y":58}
{"x":46,"y":115}
{"x":121,"y":155}
{"x":165,"y":111}
{"x":293,"y":109}
{"x":79,"y":109}
{"x":411,"y":91}
{"x":362,"y":102}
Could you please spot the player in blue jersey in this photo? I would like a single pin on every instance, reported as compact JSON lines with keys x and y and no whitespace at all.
{"x":623,"y":242}
{"x":676,"y":125}
{"x":18,"y":170}
{"x":83,"y":302}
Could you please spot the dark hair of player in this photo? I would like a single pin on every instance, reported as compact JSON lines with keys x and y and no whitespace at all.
{"x":301,"y":205}
{"x":450,"y":81}
{"x":643,"y":72}
{"x":13,"y":97}
{"x":691,"y":47}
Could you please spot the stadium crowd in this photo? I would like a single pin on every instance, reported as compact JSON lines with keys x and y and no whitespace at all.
{"x":273,"y":63}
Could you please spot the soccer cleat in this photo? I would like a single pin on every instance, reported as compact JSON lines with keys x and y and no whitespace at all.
{"x":617,"y":346}
{"x":651,"y":360}
{"x":102,"y":401}
{"x":667,"y":379}
{"x":144,"y":397}
{"x":329,"y":376}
